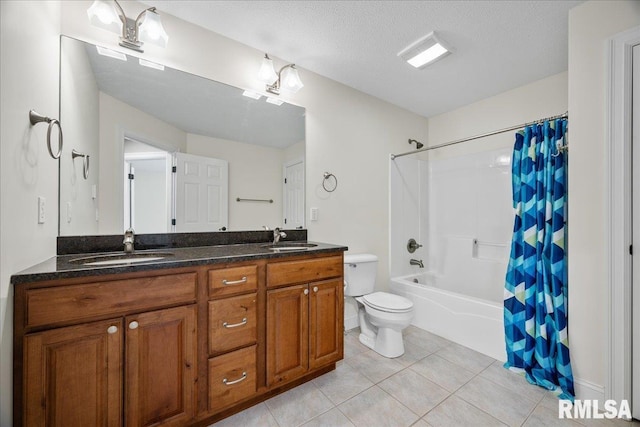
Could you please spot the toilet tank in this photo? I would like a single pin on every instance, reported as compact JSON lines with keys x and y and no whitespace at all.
{"x":360,"y":274}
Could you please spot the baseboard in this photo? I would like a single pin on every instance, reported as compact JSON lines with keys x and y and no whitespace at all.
{"x":350,"y":322}
{"x":586,"y":390}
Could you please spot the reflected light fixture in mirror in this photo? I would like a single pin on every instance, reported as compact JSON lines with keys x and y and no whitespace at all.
{"x":287,"y":79}
{"x":425,"y":51}
{"x":146,"y":28}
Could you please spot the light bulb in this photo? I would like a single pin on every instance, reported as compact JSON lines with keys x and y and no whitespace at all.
{"x":290,"y":80}
{"x":267,"y":74}
{"x":152,"y":31}
{"x":103,"y":15}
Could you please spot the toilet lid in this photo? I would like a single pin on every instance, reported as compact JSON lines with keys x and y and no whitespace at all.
{"x":388,"y":302}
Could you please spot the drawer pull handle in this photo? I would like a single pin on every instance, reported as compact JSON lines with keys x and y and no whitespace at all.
{"x":315,"y":289}
{"x":235,"y":325}
{"x":242,"y":378}
{"x":306,"y":292}
{"x":234,"y":282}
{"x":112,"y":329}
{"x":133,"y":325}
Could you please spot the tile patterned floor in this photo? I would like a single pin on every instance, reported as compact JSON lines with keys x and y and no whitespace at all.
{"x":435,"y":383}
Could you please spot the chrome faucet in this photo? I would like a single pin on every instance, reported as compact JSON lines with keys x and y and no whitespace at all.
{"x":128,"y":241}
{"x":277,"y":235}
{"x":417,"y":262}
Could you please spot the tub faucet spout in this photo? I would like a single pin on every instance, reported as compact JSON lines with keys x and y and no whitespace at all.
{"x":417,"y":262}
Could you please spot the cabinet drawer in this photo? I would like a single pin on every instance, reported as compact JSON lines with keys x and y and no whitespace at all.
{"x":283,"y":273}
{"x":228,"y":281}
{"x":232,"y":322}
{"x":63,"y":304}
{"x":232,"y":377}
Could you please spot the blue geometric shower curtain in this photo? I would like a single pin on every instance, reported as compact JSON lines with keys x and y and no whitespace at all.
{"x":535,"y":297}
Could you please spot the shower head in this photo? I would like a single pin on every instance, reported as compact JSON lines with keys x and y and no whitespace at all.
{"x":419,"y":145}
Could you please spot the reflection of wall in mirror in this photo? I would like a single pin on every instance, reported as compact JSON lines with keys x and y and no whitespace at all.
{"x":255,"y":172}
{"x":79,"y":116}
{"x":118,"y":119}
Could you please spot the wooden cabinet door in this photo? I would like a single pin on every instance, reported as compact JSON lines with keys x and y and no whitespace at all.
{"x":161,"y":370}
{"x":326,"y":322}
{"x":287,"y":333}
{"x":73,"y":376}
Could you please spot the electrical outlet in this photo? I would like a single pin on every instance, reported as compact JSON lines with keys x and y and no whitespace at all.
{"x":41,"y":210}
{"x":314,"y":214}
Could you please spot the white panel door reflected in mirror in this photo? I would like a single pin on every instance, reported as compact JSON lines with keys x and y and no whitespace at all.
{"x":159,"y":199}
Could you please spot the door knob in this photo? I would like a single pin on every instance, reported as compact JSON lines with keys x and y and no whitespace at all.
{"x":133,"y":325}
{"x":112,"y":329}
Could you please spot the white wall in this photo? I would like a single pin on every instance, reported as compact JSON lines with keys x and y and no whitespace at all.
{"x":255,"y":172}
{"x":590,"y":26}
{"x":348,"y":133}
{"x":81,"y":126}
{"x":542,"y":98}
{"x":29,"y":52}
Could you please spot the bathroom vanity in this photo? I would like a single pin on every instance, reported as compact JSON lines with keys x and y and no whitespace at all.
{"x":187,"y":339}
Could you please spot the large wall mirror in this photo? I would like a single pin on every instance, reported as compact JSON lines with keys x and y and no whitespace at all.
{"x":162,"y":150}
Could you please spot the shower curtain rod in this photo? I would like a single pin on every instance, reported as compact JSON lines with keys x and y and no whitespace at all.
{"x":458,"y":141}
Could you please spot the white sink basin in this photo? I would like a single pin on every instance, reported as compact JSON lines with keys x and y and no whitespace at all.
{"x":121,"y":259}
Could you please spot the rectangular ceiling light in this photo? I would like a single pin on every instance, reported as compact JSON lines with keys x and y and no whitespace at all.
{"x":252,"y":95}
{"x":425,"y":51}
{"x":150,"y":64}
{"x":274,"y":101}
{"x":111,"y":53}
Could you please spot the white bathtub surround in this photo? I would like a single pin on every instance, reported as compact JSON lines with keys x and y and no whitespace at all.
{"x":459,"y":207}
{"x":472,"y":322}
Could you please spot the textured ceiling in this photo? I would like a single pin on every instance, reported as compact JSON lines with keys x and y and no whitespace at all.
{"x":498,"y":45}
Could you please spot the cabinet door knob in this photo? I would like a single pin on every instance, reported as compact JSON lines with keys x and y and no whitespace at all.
{"x":315,"y":289}
{"x":112,"y":329}
{"x":133,"y":325}
{"x":306,"y":292}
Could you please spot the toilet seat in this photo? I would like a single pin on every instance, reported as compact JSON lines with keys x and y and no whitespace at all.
{"x":387,"y":302}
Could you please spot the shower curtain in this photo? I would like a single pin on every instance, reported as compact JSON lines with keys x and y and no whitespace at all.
{"x":535,"y":297}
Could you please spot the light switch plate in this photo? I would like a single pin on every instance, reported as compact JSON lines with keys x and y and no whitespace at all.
{"x":314,"y":214}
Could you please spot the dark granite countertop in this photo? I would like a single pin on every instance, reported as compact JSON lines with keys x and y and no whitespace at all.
{"x":61,"y":267}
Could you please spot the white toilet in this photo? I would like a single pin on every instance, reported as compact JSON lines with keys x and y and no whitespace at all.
{"x":382,"y":316}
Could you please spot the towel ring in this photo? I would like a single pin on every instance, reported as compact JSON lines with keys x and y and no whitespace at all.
{"x":331,"y":187}
{"x":35,"y":118}
{"x":85,"y":162}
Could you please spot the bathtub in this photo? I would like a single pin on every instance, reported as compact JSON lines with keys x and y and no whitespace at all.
{"x":471,"y":322}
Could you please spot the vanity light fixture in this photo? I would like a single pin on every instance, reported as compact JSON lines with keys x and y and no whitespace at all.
{"x":146,"y":28}
{"x":287,"y":79}
{"x":425,"y":51}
